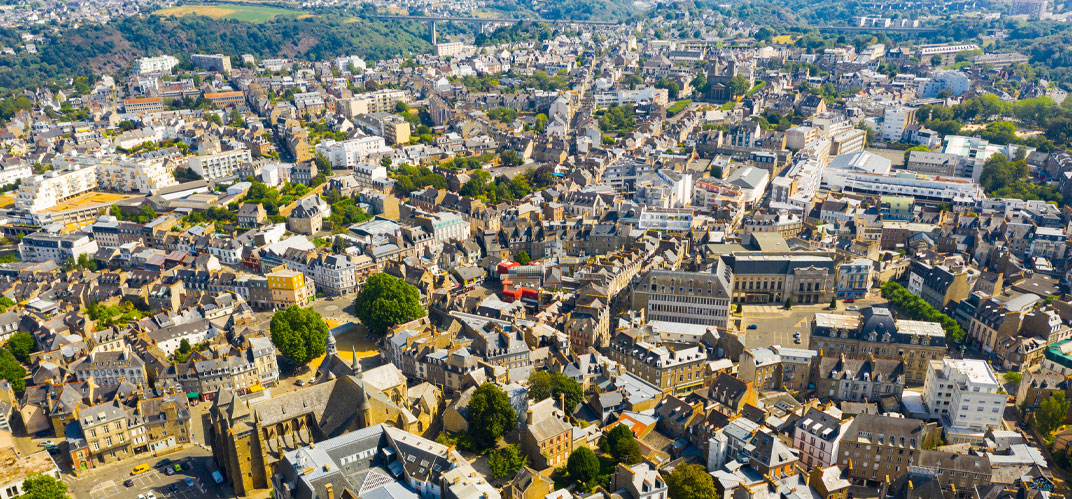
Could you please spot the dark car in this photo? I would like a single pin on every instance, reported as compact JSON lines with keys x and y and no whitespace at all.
{"x":186,"y":466}
{"x":174,"y":487}
{"x":128,"y":483}
{"x":753,"y":326}
{"x":163,"y":463}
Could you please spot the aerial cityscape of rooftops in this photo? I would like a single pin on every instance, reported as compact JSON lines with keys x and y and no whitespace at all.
{"x":552,"y":249}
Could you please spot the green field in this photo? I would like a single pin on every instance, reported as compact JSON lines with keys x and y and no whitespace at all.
{"x":248,"y":13}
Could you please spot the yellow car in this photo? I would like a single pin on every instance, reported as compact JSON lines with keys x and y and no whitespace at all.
{"x":139,"y":469}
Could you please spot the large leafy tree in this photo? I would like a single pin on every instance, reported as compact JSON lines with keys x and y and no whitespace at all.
{"x":543,"y":384}
{"x":490,"y":415}
{"x":737,"y":85}
{"x":583,"y":465}
{"x":622,"y":445}
{"x":299,"y":334}
{"x":12,"y":371}
{"x":691,"y":481}
{"x":21,"y":345}
{"x":506,"y":461}
{"x":386,"y":301}
{"x":44,"y":486}
{"x":1051,"y":413}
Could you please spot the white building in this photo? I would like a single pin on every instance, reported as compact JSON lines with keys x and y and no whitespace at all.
{"x":344,"y":63}
{"x":162,"y":64}
{"x":134,"y":175}
{"x":871,"y":174}
{"x":368,"y":174}
{"x":964,"y":394}
{"x":14,"y":171}
{"x":349,"y":153}
{"x":220,"y":165}
{"x":955,"y":82}
{"x":817,"y":435}
{"x":894,"y":122}
{"x":42,"y":247}
{"x":854,"y":279}
{"x":643,"y":95}
{"x":445,"y":226}
{"x":41,"y":192}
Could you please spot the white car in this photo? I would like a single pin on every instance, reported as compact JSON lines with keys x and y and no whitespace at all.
{"x":150,"y":495}
{"x":852,"y":308}
{"x":141,"y":496}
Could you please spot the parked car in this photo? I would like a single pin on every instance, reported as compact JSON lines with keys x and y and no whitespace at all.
{"x":163,"y":463}
{"x":797,"y":341}
{"x":139,"y":469}
{"x":128,"y":483}
{"x":850,"y":300}
{"x":796,"y":334}
{"x":186,"y":465}
{"x":46,"y":443}
{"x":300,"y":382}
{"x":177,"y":467}
{"x":150,"y":495}
{"x":174,"y":487}
{"x":217,"y":477}
{"x":753,"y":326}
{"x":852,"y":308}
{"x":189,"y":482}
{"x":169,"y":471}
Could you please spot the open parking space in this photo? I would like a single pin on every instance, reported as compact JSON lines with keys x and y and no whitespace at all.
{"x":108,"y":482}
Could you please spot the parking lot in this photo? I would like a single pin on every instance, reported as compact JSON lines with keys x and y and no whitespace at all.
{"x":155,"y":481}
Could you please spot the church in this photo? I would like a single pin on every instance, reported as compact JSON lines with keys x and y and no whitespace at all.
{"x":250,"y":432}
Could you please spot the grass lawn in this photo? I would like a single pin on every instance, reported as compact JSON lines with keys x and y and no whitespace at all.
{"x":248,"y":13}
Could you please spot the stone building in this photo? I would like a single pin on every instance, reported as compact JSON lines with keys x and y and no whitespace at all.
{"x":876,"y":332}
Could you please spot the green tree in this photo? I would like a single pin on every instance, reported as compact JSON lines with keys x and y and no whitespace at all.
{"x":510,"y":157}
{"x":1051,"y":414}
{"x":544,"y":384}
{"x":622,"y":445}
{"x":126,"y":126}
{"x":386,"y":301}
{"x":43,"y":486}
{"x":1011,"y":377}
{"x":908,"y":151}
{"x":690,"y":481}
{"x":788,"y":303}
{"x":740,"y":308}
{"x":322,"y":163}
{"x":21,"y":345}
{"x":236,"y":120}
{"x":85,"y":262}
{"x":299,"y":334}
{"x":12,"y":371}
{"x":401,"y":107}
{"x":583,"y":465}
{"x":506,"y":461}
{"x":523,"y":257}
{"x":737,"y":86}
{"x":833,"y":303}
{"x":490,"y":415}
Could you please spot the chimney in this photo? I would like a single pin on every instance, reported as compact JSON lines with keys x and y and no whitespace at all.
{"x":330,"y":491}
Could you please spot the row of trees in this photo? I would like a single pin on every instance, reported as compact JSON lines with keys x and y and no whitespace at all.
{"x":914,"y":307}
